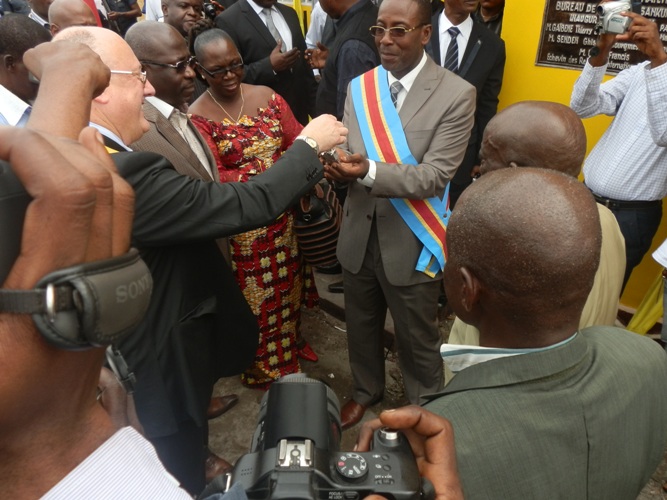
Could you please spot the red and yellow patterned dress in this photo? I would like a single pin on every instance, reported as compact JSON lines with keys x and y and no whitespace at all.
{"x":266,"y":262}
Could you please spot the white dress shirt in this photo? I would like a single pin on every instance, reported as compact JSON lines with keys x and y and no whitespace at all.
{"x":154,"y":10}
{"x":13,"y":111}
{"x":37,"y":18}
{"x":278,"y":20}
{"x":460,"y":357}
{"x":125,"y":466}
{"x":629,"y":162}
{"x":462,"y":40}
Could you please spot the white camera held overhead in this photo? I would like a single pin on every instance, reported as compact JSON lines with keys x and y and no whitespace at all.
{"x":610,"y":19}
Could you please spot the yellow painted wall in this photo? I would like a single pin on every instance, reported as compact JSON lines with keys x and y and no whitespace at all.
{"x":524,"y":80}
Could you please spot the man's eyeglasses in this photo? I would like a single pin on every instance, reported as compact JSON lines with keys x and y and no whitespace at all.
{"x":395,"y":32}
{"x":180,"y":66}
{"x":141,"y":75}
{"x":234,"y":68}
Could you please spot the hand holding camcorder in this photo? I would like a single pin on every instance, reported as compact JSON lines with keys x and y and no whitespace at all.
{"x":610,"y":18}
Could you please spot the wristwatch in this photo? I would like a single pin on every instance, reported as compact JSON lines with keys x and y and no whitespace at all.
{"x":310,"y":141}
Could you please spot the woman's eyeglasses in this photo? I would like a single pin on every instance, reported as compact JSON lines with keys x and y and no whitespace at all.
{"x":234,"y":68}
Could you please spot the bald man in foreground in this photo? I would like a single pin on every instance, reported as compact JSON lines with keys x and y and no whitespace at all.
{"x":66,"y":13}
{"x":549,"y":411}
{"x":550,"y":135}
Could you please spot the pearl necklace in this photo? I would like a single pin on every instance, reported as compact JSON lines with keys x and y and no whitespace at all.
{"x":224,"y":110}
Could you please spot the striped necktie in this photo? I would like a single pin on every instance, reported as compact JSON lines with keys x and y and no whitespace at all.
{"x":394,"y":90}
{"x":452,"y":57}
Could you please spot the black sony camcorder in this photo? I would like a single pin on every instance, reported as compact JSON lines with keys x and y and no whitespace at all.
{"x":295,"y":452}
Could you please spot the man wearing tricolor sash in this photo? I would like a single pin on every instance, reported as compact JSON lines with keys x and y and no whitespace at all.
{"x":409,"y":122}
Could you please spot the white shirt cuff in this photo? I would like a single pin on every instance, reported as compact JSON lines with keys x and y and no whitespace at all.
{"x":369,"y":179}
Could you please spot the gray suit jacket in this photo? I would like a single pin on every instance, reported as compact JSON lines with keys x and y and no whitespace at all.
{"x":437,"y":117}
{"x":587,"y":419}
{"x":164,"y":139}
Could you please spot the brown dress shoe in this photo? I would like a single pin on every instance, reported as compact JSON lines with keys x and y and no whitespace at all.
{"x":215,"y":466}
{"x":351,"y":413}
{"x":220,"y":404}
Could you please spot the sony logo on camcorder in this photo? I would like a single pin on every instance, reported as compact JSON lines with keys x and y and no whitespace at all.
{"x":134,"y":289}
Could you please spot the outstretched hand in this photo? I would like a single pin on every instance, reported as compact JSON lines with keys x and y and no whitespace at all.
{"x":317,"y":58}
{"x":281,"y":61}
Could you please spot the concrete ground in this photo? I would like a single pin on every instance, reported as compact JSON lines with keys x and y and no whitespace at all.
{"x":324,"y":328}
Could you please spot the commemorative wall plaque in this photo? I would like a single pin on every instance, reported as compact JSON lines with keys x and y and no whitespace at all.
{"x":568,"y":33}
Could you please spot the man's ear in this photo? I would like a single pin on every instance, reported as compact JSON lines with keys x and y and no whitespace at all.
{"x":103,"y":98}
{"x":470,"y":289}
{"x":426,"y":34}
{"x":165,"y":9}
{"x":8,"y":61}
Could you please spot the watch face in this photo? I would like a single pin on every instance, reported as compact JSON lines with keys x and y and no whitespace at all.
{"x":310,"y":141}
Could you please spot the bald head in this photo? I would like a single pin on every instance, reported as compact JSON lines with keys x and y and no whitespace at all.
{"x":66,"y":13}
{"x":534,"y":134}
{"x":156,"y":45}
{"x":119,"y":107}
{"x":529,"y":241}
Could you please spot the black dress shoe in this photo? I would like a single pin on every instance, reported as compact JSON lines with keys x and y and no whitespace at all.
{"x":335,"y":269}
{"x":336,"y":287}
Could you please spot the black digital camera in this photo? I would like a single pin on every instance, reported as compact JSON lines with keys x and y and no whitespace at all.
{"x":13,"y":203}
{"x":295,"y":452}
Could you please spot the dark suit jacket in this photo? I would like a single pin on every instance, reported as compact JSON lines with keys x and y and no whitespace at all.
{"x":175,"y":352}
{"x":255,"y":43}
{"x":437,"y":116}
{"x":483,"y":65}
{"x":582,"y":420}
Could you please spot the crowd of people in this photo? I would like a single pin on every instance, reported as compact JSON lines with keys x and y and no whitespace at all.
{"x":192,"y":140}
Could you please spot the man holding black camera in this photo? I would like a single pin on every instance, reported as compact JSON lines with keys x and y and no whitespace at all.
{"x":627,"y":169}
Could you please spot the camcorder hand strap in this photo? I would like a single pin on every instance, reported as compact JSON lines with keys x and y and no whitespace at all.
{"x":88,"y":305}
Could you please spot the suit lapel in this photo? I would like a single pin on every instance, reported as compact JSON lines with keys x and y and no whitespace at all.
{"x":472,"y":49}
{"x":420,"y":91}
{"x":257,"y":23}
{"x":190,"y":164}
{"x":435,"y":38}
{"x":111,"y":144}
{"x":207,"y":151}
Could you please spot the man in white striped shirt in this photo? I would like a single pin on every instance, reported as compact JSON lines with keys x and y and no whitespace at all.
{"x":627,"y":169}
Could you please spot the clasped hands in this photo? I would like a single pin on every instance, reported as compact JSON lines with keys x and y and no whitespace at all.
{"x":343,"y":166}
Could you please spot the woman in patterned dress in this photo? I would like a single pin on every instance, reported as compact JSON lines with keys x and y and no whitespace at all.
{"x":248,"y":127}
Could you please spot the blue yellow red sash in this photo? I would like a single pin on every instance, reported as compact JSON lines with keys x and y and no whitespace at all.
{"x":385,"y":141}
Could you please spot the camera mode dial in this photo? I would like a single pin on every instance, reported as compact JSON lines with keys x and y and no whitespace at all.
{"x":352,"y":466}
